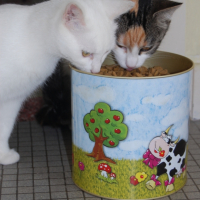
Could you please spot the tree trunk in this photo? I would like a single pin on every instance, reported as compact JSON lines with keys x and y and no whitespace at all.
{"x":98,"y":152}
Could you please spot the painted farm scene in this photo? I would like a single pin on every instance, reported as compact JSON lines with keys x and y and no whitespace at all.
{"x":161,"y":170}
{"x":130,"y":138}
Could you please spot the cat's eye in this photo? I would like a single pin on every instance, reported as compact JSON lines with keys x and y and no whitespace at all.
{"x":85,"y":54}
{"x":122,"y":47}
{"x":144,"y":49}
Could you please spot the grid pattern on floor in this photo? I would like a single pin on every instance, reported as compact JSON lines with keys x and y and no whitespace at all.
{"x":44,"y":170}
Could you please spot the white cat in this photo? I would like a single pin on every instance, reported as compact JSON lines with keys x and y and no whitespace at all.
{"x":34,"y":38}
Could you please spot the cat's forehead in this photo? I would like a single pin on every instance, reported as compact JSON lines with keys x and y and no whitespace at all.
{"x":98,"y":39}
{"x":135,"y":36}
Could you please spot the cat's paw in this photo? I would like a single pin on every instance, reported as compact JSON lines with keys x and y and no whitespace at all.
{"x":10,"y":157}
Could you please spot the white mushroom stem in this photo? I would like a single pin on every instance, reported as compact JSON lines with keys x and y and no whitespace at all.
{"x":104,"y":174}
{"x":111,"y":178}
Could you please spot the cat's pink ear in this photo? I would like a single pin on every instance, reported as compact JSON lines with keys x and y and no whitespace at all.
{"x":74,"y":18}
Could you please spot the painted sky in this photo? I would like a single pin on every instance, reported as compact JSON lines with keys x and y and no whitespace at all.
{"x":149,"y":107}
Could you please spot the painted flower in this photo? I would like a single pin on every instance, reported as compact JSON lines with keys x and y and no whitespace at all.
{"x":141,"y":176}
{"x":162,"y":153}
{"x":133,"y":180}
{"x":81,"y":166}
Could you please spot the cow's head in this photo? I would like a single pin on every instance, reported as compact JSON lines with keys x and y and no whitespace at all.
{"x":160,"y":146}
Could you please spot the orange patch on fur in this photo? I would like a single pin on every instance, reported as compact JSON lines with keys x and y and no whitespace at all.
{"x":136,"y":7}
{"x":134,"y":36}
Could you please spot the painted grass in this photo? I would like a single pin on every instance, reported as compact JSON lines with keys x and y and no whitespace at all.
{"x":121,"y":188}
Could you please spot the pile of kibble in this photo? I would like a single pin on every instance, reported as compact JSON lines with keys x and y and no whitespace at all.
{"x":116,"y":70}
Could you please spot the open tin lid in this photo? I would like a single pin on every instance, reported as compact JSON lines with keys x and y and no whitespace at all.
{"x":174,"y":63}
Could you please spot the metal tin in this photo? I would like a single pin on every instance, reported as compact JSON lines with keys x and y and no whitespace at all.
{"x":130,"y":135}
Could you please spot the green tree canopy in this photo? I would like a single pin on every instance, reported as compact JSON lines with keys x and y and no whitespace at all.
{"x":106,"y":121}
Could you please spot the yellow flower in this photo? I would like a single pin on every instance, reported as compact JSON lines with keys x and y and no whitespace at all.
{"x":141,"y":176}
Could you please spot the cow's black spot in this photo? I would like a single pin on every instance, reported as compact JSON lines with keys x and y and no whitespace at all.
{"x":170,"y":149}
{"x":169,"y":164}
{"x":180,"y":148}
{"x":179,"y":160}
{"x":161,"y":169}
{"x":169,"y":158}
{"x":183,"y":163}
{"x":173,"y":172}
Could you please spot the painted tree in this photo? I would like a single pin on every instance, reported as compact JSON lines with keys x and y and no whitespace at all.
{"x":104,"y":127}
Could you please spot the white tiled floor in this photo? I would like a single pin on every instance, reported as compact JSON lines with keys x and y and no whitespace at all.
{"x":44,"y":170}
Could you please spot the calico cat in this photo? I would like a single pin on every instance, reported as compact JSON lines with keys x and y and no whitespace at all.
{"x":34,"y":38}
{"x":141,"y":31}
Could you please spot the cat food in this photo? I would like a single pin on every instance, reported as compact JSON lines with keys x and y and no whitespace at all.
{"x":116,"y":70}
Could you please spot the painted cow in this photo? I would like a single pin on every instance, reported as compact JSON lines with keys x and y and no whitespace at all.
{"x":168,"y":156}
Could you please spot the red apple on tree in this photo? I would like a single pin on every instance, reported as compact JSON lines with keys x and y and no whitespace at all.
{"x":92,"y":120}
{"x":100,"y":110}
{"x":107,"y":121}
{"x":111,"y":143}
{"x":116,"y":118}
{"x":117,"y":131}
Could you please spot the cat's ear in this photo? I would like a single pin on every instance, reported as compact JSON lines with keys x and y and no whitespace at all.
{"x":115,"y":8}
{"x":73,"y":17}
{"x":164,"y":15}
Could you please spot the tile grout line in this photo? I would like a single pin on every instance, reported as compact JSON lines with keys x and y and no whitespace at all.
{"x":32,"y":160}
{"x":194,"y":158}
{"x":194,"y":138}
{"x":58,"y":136}
{"x":47,"y":161}
{"x":191,"y":135}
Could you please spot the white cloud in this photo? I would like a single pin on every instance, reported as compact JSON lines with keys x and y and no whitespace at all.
{"x":176,"y":114}
{"x":182,"y":131}
{"x":133,"y":145}
{"x":135,"y":117}
{"x":159,"y":100}
{"x":93,"y":95}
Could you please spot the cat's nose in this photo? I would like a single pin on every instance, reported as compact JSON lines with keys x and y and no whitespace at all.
{"x":130,"y":68}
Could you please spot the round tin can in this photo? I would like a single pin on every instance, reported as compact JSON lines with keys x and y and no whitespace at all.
{"x":130,"y":135}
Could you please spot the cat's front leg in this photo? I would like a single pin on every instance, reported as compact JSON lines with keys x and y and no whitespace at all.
{"x":8,"y":114}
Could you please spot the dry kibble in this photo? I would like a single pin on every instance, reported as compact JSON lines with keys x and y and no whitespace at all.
{"x":116,"y":70}
{"x":120,"y":73}
{"x":138,"y":74}
{"x":156,"y":73}
{"x":114,"y":73}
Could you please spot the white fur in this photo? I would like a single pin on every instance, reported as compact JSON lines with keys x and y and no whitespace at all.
{"x":34,"y":38}
{"x":129,"y":59}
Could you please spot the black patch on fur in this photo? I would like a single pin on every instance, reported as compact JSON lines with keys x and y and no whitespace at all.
{"x":169,"y":158}
{"x":173,"y":172}
{"x":180,"y":148}
{"x":161,"y":169}
{"x":179,"y":160}
{"x":170,"y":149}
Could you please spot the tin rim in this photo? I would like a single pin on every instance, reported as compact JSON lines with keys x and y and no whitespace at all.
{"x":152,"y":77}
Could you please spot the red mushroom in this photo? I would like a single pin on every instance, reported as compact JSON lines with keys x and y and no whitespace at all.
{"x":112,"y":176}
{"x":105,"y":169}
